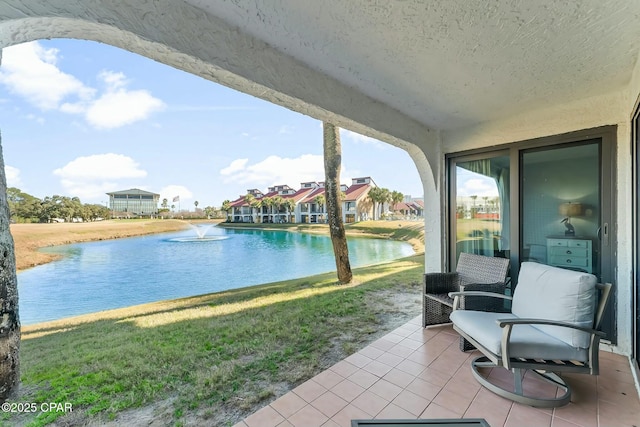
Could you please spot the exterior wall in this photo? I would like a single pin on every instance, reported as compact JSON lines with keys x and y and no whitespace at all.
{"x":610,"y":109}
{"x":133,"y":203}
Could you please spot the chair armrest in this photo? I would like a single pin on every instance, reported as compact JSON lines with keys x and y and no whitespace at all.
{"x":497,"y":287}
{"x":456,"y":296}
{"x":440,"y":283}
{"x":508,"y":323}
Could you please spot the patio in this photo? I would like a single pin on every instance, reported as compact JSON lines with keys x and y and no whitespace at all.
{"x":415,"y":373}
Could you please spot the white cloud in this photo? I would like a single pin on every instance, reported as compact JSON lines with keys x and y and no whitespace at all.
{"x":235,"y":166}
{"x":275,"y":170}
{"x":30,"y":70}
{"x":171,"y":191}
{"x":116,"y":109}
{"x":481,"y":186}
{"x":92,"y":176}
{"x":13,"y":176}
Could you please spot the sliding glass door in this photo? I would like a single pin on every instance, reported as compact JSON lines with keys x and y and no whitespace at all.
{"x":482,"y":206}
{"x":560,"y":206}
{"x":548,"y":200}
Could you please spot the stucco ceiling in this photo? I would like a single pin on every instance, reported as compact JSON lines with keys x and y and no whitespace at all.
{"x":451,"y":63}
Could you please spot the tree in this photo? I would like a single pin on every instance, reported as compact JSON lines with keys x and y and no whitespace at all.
{"x":226,"y":207}
{"x":268,"y":203}
{"x":209,"y":211}
{"x":249,"y":199}
{"x":290,"y":205}
{"x":256,"y":204}
{"x":332,"y":163}
{"x":474,"y":210}
{"x":165,"y":204}
{"x":385,"y":197}
{"x":277,"y":202}
{"x":373,"y":195}
{"x":396,"y":197}
{"x":320,"y":201}
{"x":10,"y":337}
{"x":196,"y":203}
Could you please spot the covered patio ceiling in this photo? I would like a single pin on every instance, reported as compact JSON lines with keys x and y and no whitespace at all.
{"x":399,"y":70}
{"x":449,"y":64}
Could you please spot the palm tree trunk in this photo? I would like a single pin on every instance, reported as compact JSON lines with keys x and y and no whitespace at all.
{"x":332,"y":163}
{"x":9,"y":320}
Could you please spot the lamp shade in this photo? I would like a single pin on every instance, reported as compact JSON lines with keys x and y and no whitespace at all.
{"x":571,"y":209}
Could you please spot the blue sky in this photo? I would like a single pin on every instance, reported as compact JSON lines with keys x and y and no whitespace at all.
{"x":80,"y":118}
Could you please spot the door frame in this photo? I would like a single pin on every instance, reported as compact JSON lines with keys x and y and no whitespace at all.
{"x":635,"y":185}
{"x":607,"y":135}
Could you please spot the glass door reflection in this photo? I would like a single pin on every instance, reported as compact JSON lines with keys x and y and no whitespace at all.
{"x":482,"y":203}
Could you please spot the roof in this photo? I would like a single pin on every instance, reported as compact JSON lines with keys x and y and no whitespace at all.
{"x":133,"y":192}
{"x":356,"y":191}
{"x":310,"y":198}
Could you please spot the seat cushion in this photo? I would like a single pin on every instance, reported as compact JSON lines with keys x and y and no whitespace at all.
{"x":545,"y":292}
{"x":526,"y":341}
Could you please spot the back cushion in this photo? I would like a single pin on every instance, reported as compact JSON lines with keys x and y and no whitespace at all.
{"x":552,"y":293}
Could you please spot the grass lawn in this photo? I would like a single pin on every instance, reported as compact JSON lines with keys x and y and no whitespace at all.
{"x":212,"y":359}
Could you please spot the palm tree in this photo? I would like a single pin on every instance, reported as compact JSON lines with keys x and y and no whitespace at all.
{"x":291,"y":206}
{"x":268,"y":202}
{"x":396,"y":197}
{"x":385,"y":197}
{"x":10,"y":337}
{"x":226,"y":207}
{"x":473,"y":210}
{"x":332,"y":163}
{"x":321,"y":202}
{"x":196,"y":203}
{"x":249,"y":199}
{"x":165,"y":204}
{"x":375,"y":195}
{"x":256,"y":204}
{"x":278,"y":202}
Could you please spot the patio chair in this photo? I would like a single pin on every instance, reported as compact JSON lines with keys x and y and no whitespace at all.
{"x":553,"y":328}
{"x":473,"y":273}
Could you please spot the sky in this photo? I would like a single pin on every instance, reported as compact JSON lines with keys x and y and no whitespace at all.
{"x":80,"y":118}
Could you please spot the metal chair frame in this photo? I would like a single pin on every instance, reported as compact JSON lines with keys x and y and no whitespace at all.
{"x":546,"y":369}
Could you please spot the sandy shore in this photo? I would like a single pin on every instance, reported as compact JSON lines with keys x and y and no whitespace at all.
{"x":28,"y":238}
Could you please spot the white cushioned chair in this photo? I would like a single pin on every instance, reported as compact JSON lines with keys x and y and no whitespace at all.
{"x":553,"y":327}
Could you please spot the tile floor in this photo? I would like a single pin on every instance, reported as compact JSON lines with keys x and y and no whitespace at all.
{"x":420,"y":373}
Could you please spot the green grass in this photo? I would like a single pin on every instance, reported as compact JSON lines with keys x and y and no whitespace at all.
{"x":219,"y":355}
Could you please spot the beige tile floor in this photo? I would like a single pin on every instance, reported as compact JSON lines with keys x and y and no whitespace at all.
{"x":420,"y":373}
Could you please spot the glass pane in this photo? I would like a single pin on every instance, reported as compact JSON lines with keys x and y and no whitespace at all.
{"x":560,"y":210}
{"x":482,"y":207}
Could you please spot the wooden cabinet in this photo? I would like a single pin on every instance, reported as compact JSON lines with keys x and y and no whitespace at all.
{"x":574,"y":253}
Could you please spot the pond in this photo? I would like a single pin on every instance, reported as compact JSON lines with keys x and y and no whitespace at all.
{"x":118,"y":273}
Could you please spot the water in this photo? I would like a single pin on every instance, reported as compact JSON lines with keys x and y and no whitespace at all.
{"x":118,"y":273}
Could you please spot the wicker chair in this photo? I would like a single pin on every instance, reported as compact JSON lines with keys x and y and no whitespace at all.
{"x":473,"y":273}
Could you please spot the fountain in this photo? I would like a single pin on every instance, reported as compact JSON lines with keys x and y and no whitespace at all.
{"x":201,"y":235}
{"x":201,"y":231}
